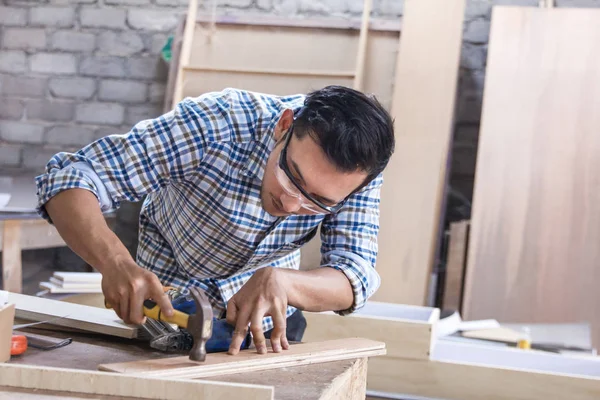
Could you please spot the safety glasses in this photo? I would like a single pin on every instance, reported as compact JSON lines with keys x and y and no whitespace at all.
{"x":294,"y":189}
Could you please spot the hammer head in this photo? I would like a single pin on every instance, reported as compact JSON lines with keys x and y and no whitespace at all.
{"x":200,"y":324}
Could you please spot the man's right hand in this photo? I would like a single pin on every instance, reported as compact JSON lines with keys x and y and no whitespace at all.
{"x":126,"y":285}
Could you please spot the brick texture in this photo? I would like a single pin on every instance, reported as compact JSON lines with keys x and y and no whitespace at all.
{"x":53,"y":63}
{"x":121,"y":43}
{"x":13,"y":61}
{"x":147,"y":68}
{"x":10,"y":156}
{"x":136,"y":114}
{"x":50,"y":110}
{"x":103,"y":18}
{"x":123,"y":91}
{"x":69,"y":135}
{"x":21,"y":132}
{"x":24,"y":38}
{"x":103,"y":66}
{"x":37,"y":157}
{"x":100,"y":113}
{"x":11,"y":108}
{"x":74,"y":41}
{"x":63,"y":17}
{"x":22,"y":86}
{"x":13,"y":16}
{"x":72,"y":88}
{"x":152,"y":20}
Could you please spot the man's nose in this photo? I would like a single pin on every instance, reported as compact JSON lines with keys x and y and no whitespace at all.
{"x":290,"y":203}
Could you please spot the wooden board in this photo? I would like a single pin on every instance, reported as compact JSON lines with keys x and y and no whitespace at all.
{"x":11,"y":256}
{"x":92,"y":319}
{"x":7,"y":317}
{"x":423,"y":108}
{"x":250,"y":360}
{"x":535,"y":229}
{"x":466,"y":372}
{"x":27,"y":381}
{"x":408,"y":331}
{"x":456,"y":265}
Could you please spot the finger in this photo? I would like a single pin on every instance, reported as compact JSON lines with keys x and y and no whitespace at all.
{"x":124,"y":308}
{"x":257,"y":332}
{"x":279,"y":329}
{"x":232,"y":312}
{"x":240,"y":332}
{"x":160,"y":297}
{"x":136,"y":312}
{"x":284,"y":342}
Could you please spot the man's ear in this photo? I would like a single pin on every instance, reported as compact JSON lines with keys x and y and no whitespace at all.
{"x":284,"y":123}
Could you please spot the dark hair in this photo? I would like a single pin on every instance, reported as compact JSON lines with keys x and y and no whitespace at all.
{"x":354,"y":130}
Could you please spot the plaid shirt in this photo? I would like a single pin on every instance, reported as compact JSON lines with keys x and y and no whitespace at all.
{"x":200,"y":169}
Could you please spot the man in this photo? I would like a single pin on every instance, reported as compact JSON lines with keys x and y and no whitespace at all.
{"x":236,"y":182}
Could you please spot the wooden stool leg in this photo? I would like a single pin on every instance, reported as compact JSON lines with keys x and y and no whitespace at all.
{"x":12,"y":278}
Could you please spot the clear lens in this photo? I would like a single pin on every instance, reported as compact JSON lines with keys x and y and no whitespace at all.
{"x":291,"y":190}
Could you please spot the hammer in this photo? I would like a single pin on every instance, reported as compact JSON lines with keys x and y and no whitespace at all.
{"x":199,"y":325}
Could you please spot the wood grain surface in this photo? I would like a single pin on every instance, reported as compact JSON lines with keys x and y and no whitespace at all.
{"x":423,"y":108}
{"x":535,"y":232}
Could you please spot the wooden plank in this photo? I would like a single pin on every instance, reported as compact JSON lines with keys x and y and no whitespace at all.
{"x":466,"y":372}
{"x":362,"y":45}
{"x":423,"y":108}
{"x":535,"y":228}
{"x":266,"y":71}
{"x":375,"y":24}
{"x":250,"y":360}
{"x":78,"y":277}
{"x":186,"y":50}
{"x":12,"y":279}
{"x":37,"y":234}
{"x":7,"y":317}
{"x":92,"y":319}
{"x":455,"y":265}
{"x":77,"y":382}
{"x":408,"y":331}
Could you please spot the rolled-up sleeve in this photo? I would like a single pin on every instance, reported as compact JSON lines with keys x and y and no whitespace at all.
{"x":349,"y":243}
{"x":126,"y":167}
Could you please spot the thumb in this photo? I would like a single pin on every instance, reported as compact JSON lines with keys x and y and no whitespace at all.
{"x":162,"y":299}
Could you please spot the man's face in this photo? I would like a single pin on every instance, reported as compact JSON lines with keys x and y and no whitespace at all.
{"x":310,"y":170}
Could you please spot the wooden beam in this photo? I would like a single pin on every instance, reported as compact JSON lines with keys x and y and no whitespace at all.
{"x":250,"y":360}
{"x":92,"y":319}
{"x":423,"y":108}
{"x":186,"y":50}
{"x":335,"y":74}
{"x":375,"y":24}
{"x":12,"y":280}
{"x":455,"y":265}
{"x":21,"y":380}
{"x":36,"y":234}
{"x":362,"y":45}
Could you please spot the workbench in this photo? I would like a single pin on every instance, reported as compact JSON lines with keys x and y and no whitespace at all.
{"x":324,"y":381}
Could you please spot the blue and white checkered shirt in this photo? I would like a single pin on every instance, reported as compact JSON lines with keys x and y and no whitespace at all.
{"x":200,"y":167}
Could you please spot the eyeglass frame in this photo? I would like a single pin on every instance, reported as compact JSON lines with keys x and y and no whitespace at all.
{"x":282,"y":163}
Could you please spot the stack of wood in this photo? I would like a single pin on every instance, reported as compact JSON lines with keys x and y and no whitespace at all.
{"x":73,"y":282}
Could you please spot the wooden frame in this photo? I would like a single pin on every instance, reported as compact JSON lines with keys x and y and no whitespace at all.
{"x":193,"y":72}
{"x":33,"y":380}
{"x":456,"y":261}
{"x":7,"y":317}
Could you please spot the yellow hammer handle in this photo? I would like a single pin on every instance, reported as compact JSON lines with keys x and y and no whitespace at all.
{"x":152,"y":310}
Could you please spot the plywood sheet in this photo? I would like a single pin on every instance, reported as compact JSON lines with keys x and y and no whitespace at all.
{"x":535,"y":229}
{"x":71,"y":315}
{"x":423,"y":108}
{"x":250,"y":360}
{"x":32,"y":382}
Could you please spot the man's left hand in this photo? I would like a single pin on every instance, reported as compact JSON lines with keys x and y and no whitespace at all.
{"x":263,"y":295}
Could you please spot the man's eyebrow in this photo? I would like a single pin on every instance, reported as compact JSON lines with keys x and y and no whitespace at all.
{"x":297,"y":170}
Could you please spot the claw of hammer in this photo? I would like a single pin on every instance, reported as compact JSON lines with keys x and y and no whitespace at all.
{"x":200,"y":324}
